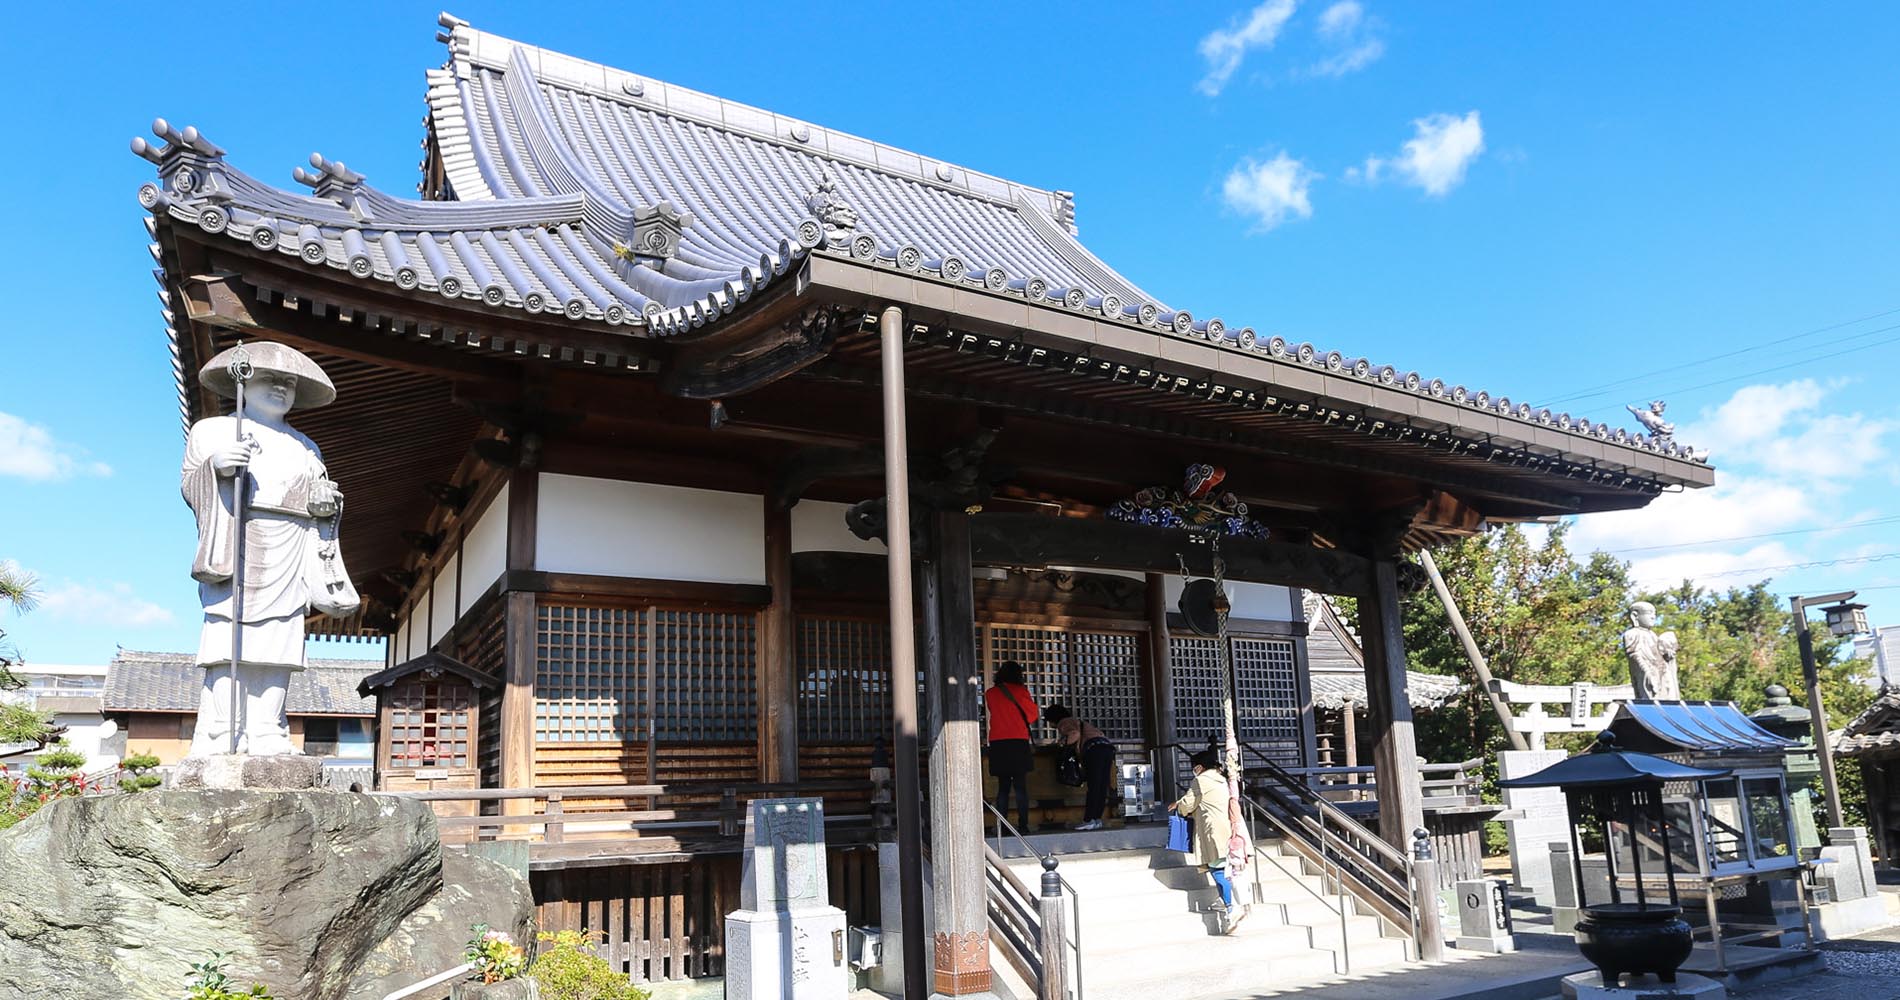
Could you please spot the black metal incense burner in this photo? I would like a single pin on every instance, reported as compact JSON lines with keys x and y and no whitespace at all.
{"x":1632,"y":939}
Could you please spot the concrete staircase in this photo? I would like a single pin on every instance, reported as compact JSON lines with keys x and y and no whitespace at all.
{"x":1148,"y":928}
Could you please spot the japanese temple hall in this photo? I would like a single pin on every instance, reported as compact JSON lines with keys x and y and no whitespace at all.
{"x":611,"y":422}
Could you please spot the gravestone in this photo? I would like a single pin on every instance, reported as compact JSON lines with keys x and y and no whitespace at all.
{"x":1484,"y":919}
{"x":1540,"y":819}
{"x":786,"y":941}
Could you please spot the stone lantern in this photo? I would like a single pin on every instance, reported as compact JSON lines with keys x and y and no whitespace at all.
{"x":1790,"y":721}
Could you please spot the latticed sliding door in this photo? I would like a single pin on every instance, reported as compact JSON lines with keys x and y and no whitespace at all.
{"x":1096,"y":673}
{"x":1266,"y":703}
{"x":844,"y":681}
{"x":637,"y":695}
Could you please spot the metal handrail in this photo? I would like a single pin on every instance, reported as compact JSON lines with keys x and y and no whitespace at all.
{"x":436,"y":980}
{"x":1342,"y":908}
{"x":1387,"y":891}
{"x":994,"y":856}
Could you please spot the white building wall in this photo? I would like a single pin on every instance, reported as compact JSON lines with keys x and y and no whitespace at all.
{"x":818,"y":526}
{"x":443,"y":600}
{"x":610,"y":528}
{"x":485,"y":550}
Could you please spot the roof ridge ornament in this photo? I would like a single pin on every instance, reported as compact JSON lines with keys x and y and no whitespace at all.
{"x":656,"y":235}
{"x":332,"y":180}
{"x":190,"y":167}
{"x":832,"y":212}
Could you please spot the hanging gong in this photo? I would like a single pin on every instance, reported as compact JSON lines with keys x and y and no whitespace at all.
{"x":1197,"y":607}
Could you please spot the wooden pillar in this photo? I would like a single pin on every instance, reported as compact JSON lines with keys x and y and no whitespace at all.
{"x":778,"y":683}
{"x":960,"y":963}
{"x":1161,"y":674}
{"x":1389,"y":708}
{"x":518,"y":643}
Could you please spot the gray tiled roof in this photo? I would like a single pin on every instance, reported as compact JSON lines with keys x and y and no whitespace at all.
{"x":558,"y":168}
{"x":138,"y":681}
{"x":1338,"y":667}
{"x":1876,"y":727}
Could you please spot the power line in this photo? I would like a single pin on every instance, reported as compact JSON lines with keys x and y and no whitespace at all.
{"x":1598,"y":390}
{"x":1817,"y":564}
{"x":1888,"y":519}
{"x":1791,"y":364}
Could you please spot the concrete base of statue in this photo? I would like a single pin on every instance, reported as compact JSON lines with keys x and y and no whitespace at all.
{"x":242,"y":770}
{"x":1851,"y":916}
{"x":796,"y":955}
{"x":1589,"y":986}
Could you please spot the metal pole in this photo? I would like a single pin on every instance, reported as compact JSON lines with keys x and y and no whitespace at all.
{"x":1811,"y":676}
{"x":903,"y":654}
{"x":241,"y":371}
{"x":1478,"y":662}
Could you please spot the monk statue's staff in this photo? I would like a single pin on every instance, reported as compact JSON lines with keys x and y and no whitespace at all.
{"x":241,"y":372}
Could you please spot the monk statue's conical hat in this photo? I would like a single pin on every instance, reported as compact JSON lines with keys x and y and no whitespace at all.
{"x":313,"y":386}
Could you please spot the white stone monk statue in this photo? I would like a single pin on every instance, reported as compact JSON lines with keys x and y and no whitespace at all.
{"x":1652,"y":655}
{"x":290,"y":560}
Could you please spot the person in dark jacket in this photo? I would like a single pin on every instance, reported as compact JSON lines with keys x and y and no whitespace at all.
{"x":1012,"y":711}
{"x":1097,"y":755}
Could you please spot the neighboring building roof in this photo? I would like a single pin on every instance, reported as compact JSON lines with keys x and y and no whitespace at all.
{"x":1877,"y":727}
{"x":1883,"y":647}
{"x":1337,"y":666}
{"x":637,"y":207}
{"x":171,"y":682}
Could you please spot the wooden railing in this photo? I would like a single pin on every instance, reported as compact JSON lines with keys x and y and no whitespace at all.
{"x":706,"y":809}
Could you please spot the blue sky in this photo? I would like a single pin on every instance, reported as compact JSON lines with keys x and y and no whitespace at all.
{"x":1533,"y":199}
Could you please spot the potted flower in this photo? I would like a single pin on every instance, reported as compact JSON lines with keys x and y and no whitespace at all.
{"x":498,"y":966}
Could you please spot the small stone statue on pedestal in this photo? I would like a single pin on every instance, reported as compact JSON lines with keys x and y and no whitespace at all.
{"x":267,"y":516}
{"x":1652,"y":655}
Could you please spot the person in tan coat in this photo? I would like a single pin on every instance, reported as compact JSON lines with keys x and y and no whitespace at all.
{"x":1206,"y":803}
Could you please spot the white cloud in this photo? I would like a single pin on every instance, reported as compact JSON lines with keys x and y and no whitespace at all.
{"x":1271,"y":192}
{"x":1353,"y":35}
{"x":1225,"y":48}
{"x":1785,"y":464}
{"x":1435,"y":159}
{"x":112,"y":605}
{"x":30,"y":451}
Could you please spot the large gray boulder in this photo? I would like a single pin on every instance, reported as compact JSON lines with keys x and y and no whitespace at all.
{"x":116,"y":896}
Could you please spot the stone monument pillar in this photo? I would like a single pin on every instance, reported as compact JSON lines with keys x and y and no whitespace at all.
{"x":1534,"y":818}
{"x":786,"y":941}
{"x":1484,"y":918}
{"x":268,"y":554}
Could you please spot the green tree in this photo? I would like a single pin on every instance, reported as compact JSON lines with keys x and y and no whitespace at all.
{"x":19,"y":723}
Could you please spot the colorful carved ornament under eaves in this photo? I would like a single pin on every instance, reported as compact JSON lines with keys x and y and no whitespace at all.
{"x":1195,"y":505}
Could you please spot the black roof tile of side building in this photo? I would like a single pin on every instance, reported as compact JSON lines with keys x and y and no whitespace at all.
{"x":139,"y":681}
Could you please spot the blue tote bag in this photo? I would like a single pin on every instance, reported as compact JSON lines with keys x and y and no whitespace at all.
{"x":1180,"y":837}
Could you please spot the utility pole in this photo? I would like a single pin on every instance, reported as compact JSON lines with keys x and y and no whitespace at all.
{"x":1811,"y":676}
{"x":1472,"y":652}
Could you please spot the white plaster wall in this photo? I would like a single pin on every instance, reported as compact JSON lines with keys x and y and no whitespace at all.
{"x":612,"y":528}
{"x":1264,"y":601}
{"x":818,"y":526}
{"x":419,"y":624}
{"x":402,"y":642}
{"x":485,"y":550}
{"x":443,"y":600}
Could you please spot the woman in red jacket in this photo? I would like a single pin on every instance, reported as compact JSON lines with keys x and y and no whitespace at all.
{"x":1012,"y":710}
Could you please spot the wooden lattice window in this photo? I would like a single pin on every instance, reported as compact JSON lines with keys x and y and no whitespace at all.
{"x":704,"y":667}
{"x":590,"y":680}
{"x":844,"y":680}
{"x":429,"y":722}
{"x":1267,"y":696}
{"x":1096,"y":674}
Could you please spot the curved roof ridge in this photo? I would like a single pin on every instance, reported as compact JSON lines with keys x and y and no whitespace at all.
{"x":475,"y":47}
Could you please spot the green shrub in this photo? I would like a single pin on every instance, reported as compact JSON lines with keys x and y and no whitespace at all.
{"x":139,"y":776}
{"x":208,"y":982}
{"x":52,"y":775}
{"x":568,"y":969}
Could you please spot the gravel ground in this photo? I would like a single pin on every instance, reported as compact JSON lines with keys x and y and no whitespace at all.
{"x":1860,"y":968}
